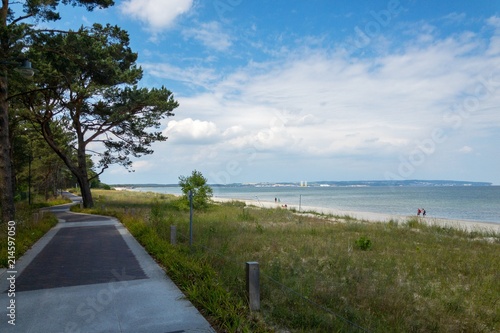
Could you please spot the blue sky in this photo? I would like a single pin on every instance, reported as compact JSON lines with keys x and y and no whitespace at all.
{"x":290,"y":90}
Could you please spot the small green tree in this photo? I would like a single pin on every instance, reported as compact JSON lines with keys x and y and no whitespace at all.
{"x":198,"y":186}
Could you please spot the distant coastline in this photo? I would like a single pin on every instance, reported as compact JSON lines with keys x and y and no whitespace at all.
{"x":447,"y":200}
{"x":328,"y":183}
{"x":469,"y":225}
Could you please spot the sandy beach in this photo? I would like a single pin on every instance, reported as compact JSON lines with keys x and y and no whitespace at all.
{"x":374,"y":217}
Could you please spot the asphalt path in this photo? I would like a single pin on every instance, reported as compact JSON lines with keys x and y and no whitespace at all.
{"x":88,"y":274}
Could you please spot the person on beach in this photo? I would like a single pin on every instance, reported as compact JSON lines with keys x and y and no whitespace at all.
{"x":423,"y":212}
{"x":419,"y":211}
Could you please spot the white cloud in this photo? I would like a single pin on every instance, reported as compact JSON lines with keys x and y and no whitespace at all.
{"x":142,"y":165}
{"x":211,"y":35}
{"x":329,"y":109}
{"x":232,"y":131}
{"x":494,"y":21}
{"x":194,"y":76}
{"x":466,"y":150}
{"x":455,"y":17}
{"x":191,"y":131}
{"x":156,"y":14}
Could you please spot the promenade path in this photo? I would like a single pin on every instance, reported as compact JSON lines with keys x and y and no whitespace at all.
{"x":88,"y":275}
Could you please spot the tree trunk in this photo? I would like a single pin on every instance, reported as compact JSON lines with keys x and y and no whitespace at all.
{"x":78,"y":169}
{"x":6,"y":179}
{"x":82,"y":176}
{"x":88,"y":201}
{"x":80,"y":173}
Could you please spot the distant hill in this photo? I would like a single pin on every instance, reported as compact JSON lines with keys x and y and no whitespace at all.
{"x":366,"y":183}
{"x":404,"y":183}
{"x":355,"y":183}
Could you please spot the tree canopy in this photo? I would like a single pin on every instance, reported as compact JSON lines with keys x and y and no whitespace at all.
{"x":87,"y":83}
{"x":16,"y":31}
{"x":199,"y":188}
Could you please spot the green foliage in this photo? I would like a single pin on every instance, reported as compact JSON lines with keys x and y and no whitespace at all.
{"x":87,"y":82}
{"x":19,"y":30}
{"x":46,"y":10}
{"x":27,"y":231}
{"x":363,"y":243}
{"x":245,"y":215}
{"x":233,"y":203}
{"x":200,"y":190}
{"x":98,"y":67}
{"x":100,"y":185}
{"x":34,"y":162}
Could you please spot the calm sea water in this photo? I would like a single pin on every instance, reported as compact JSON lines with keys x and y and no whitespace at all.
{"x":475,"y":203}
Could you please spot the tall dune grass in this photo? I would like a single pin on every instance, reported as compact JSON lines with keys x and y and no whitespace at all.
{"x":316,"y":276}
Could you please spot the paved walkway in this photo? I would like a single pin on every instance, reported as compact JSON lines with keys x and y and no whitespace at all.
{"x":88,"y":274}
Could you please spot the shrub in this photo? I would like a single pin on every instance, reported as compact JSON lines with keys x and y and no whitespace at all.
{"x":363,"y":243}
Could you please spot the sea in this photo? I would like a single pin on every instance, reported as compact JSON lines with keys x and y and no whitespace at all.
{"x":471,"y":203}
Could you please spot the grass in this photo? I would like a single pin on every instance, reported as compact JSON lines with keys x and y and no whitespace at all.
{"x":27,"y":229}
{"x":319,"y":274}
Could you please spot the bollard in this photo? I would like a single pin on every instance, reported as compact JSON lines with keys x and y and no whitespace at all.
{"x":253,"y":287}
{"x":81,"y":204}
{"x":190,"y":195}
{"x":173,"y":235}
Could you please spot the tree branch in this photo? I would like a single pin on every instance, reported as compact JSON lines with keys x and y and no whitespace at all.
{"x":28,"y":92}
{"x":20,"y":18}
{"x":99,"y":173}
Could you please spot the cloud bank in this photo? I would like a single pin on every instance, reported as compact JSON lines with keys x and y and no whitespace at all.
{"x":324,"y":106}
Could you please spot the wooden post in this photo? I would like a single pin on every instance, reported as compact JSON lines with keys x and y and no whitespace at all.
{"x":253,"y":285}
{"x":173,"y":235}
{"x":190,"y":195}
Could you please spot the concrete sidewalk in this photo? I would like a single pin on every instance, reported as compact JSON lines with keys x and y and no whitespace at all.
{"x":88,"y":274}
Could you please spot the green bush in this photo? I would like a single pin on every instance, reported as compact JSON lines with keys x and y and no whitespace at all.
{"x":363,"y":243}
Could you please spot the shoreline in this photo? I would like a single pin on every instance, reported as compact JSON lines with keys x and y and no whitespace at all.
{"x":364,"y":216}
{"x":373,"y":217}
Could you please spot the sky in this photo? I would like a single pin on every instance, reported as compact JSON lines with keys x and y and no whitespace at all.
{"x":296,"y":90}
